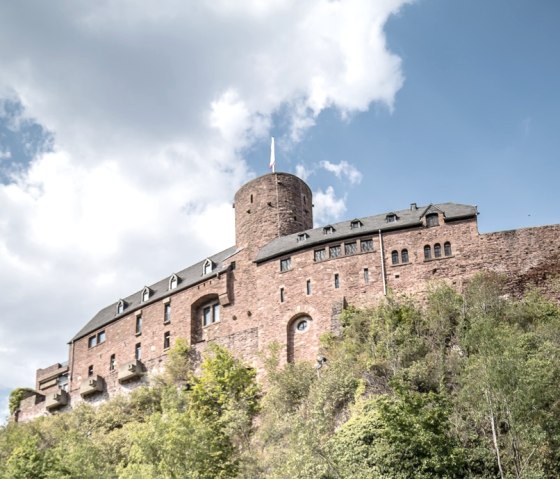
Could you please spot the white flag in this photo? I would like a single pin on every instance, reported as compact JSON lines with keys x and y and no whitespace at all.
{"x":272,"y":156}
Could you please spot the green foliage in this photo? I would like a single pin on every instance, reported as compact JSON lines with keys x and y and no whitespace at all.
{"x":461,"y":385}
{"x":401,"y":436}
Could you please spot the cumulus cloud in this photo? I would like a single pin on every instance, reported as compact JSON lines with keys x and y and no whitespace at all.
{"x":327,"y":207}
{"x":343,"y":169}
{"x":151,"y":108}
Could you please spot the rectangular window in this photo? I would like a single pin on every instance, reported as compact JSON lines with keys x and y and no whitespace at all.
{"x":101,"y":337}
{"x":138,"y":351}
{"x":432,"y":219}
{"x":320,"y":254}
{"x":166,"y":340}
{"x":207,"y":316}
{"x":139,"y":324}
{"x":92,"y":341}
{"x":285,"y":264}
{"x":167,"y":313}
{"x":308,"y":287}
{"x":336,"y":281}
{"x":216,"y":312}
{"x":281,"y":295}
{"x":366,"y":275}
{"x":350,"y":248}
{"x":366,"y":246}
{"x":90,"y":370}
{"x":112,"y":362}
{"x":334,"y":251}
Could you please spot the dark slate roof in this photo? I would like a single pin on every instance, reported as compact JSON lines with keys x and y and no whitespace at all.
{"x":187,"y":277}
{"x":371,"y":224}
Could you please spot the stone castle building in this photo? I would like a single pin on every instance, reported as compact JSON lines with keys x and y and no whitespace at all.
{"x":284,"y":281}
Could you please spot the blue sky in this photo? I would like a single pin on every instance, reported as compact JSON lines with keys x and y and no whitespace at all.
{"x":124,"y":133}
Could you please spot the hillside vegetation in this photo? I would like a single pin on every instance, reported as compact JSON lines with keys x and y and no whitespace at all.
{"x":462,"y":386}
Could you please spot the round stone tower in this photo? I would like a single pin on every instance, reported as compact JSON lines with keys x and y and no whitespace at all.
{"x":273,"y":205}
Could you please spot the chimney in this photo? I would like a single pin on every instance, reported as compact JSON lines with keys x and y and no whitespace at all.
{"x":413,"y":206}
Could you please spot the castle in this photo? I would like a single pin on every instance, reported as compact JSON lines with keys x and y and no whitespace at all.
{"x":284,"y":281}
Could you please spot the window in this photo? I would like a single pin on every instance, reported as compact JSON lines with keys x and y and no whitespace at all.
{"x":395,"y":257}
{"x":437,"y":250}
{"x":112,"y":362}
{"x":328,"y":230}
{"x":285,"y":264}
{"x":308,"y":287}
{"x":334,"y":251}
{"x":302,"y":325}
{"x":447,"y":248}
{"x":355,"y":224}
{"x":350,"y":248}
{"x":427,"y":252}
{"x":90,"y":370}
{"x":366,"y":276}
{"x":166,"y":340}
{"x":120,"y":307}
{"x":282,"y":295}
{"x":138,"y":351}
{"x":302,"y":237}
{"x":138,"y":324}
{"x":432,"y":219}
{"x":336,"y":281}
{"x":391,"y":218}
{"x":167,"y":313}
{"x":210,"y":314}
{"x":207,"y":268}
{"x":320,"y":254}
{"x":173,"y":281}
{"x":404,"y":256}
{"x":96,"y":339}
{"x":145,"y":294}
{"x":366,"y":246}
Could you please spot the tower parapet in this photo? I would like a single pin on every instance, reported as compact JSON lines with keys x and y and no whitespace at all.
{"x":273,"y":205}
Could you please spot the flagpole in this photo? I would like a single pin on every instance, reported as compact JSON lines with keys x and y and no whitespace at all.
{"x":272,"y":156}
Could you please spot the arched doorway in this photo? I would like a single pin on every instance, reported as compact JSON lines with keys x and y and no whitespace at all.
{"x":299,"y":337}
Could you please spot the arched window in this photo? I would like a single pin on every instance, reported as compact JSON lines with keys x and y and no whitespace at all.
{"x":427,"y":252}
{"x":145,"y":294}
{"x":437,"y":250}
{"x":404,"y":256}
{"x":447,"y":248}
{"x":395,"y":257}
{"x":208,"y":266}
{"x":120,"y":307}
{"x":173,"y":281}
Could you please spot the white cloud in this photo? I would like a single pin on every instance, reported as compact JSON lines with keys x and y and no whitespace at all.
{"x":327,"y":207}
{"x":343,"y":169}
{"x":151,"y":107}
{"x":5,"y":154}
{"x":303,"y":172}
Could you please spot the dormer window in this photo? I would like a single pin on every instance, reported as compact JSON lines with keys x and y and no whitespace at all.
{"x":328,"y":230}
{"x":173,"y":282}
{"x":302,"y":237}
{"x":391,"y":218}
{"x":432,"y":219}
{"x":120,"y":307}
{"x":145,"y":294}
{"x":356,"y":224}
{"x":208,"y":267}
